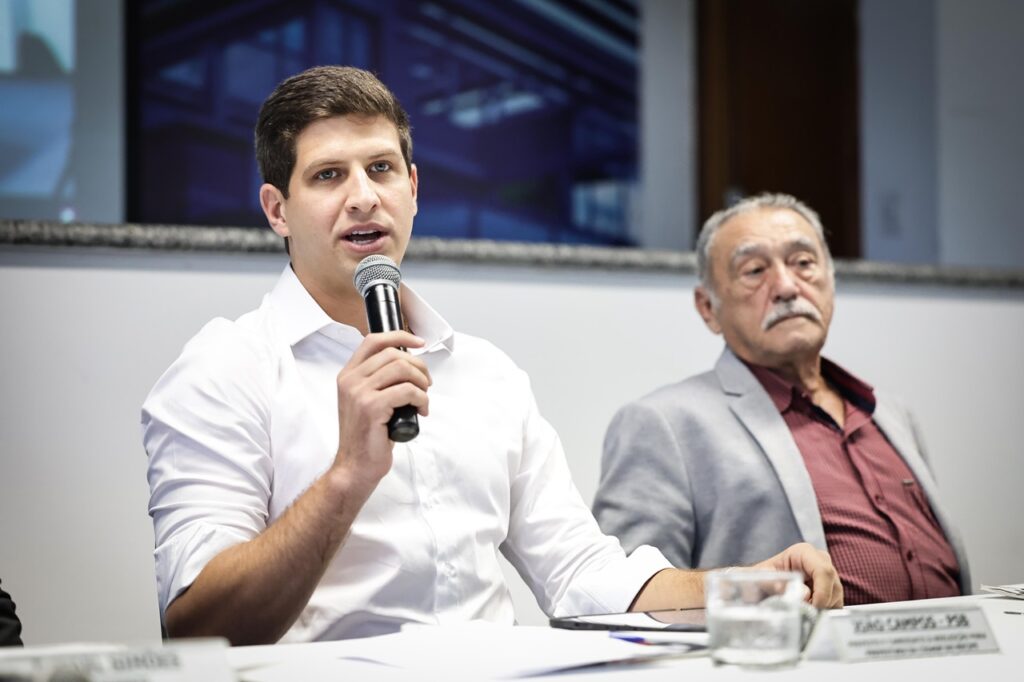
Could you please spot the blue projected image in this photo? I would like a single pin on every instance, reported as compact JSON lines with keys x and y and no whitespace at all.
{"x":37,"y":65}
{"x":524,"y":112}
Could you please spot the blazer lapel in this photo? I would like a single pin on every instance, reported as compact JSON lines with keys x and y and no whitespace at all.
{"x":755,"y":410}
{"x":900,"y":434}
{"x":896,"y":430}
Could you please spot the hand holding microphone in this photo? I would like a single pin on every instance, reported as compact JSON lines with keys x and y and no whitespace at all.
{"x":377,"y":279}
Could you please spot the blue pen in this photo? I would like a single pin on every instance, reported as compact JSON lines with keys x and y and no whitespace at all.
{"x":630,"y":638}
{"x":675,"y":648}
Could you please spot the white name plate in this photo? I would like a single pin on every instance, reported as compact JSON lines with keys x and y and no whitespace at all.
{"x":913,"y":633}
{"x":200,"y":659}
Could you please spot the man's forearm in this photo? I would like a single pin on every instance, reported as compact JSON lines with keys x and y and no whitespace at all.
{"x":252,"y":593}
{"x":672,"y":588}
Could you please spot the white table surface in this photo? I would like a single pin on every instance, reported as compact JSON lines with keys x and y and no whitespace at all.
{"x":339,"y":660}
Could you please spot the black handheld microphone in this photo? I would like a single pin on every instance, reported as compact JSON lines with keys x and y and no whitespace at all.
{"x":377,"y":279}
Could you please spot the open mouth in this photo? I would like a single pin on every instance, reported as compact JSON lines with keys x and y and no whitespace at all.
{"x":364,"y":236}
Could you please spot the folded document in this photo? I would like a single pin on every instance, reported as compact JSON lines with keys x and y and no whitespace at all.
{"x":1012,"y":591}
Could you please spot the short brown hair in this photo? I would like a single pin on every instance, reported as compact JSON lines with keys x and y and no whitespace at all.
{"x":318,"y":93}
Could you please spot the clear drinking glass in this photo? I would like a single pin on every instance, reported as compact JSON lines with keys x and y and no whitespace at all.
{"x":754,"y":617}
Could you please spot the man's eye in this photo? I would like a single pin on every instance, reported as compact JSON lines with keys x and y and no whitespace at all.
{"x":380,"y":167}
{"x":327,"y":174}
{"x":753,"y":271}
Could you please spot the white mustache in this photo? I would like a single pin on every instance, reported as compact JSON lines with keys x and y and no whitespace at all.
{"x":797,"y":307}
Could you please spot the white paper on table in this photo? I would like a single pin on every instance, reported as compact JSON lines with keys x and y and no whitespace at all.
{"x":243,"y":658}
{"x":475,"y":650}
{"x":1011,"y":591}
{"x":317,"y":669}
{"x":482,"y":650}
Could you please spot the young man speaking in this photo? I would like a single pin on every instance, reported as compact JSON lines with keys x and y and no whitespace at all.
{"x":282,"y":509}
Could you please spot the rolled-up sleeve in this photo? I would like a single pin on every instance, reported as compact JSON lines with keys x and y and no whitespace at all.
{"x":554,"y":541}
{"x":205,"y":427}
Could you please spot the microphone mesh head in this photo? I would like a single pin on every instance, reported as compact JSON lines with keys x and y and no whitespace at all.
{"x":376,"y":269}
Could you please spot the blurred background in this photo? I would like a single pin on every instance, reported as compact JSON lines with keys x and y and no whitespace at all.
{"x":616,"y":122}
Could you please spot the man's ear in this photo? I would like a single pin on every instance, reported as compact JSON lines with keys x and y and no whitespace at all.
{"x":702,"y":302}
{"x":272,"y":202}
{"x":414,"y":180}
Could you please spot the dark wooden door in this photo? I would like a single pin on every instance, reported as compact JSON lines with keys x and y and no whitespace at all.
{"x":778,"y":107}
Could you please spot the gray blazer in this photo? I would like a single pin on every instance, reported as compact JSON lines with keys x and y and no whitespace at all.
{"x":707,"y":471}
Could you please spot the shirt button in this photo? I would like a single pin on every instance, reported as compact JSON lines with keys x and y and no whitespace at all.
{"x":910,"y":555}
{"x":879,"y":500}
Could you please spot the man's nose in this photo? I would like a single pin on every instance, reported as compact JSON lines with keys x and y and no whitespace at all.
{"x":362,"y":196}
{"x":784,"y":286}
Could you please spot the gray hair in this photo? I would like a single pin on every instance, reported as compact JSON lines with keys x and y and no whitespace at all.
{"x":753,"y":203}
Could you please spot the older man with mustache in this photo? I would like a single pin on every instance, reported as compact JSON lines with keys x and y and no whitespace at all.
{"x":777,"y":444}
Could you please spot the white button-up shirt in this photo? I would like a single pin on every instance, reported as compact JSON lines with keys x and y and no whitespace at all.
{"x":246,"y":419}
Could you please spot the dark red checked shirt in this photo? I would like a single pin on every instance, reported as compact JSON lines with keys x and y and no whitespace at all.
{"x":881,"y":533}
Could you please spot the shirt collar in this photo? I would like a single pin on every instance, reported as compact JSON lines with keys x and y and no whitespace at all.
{"x":298,"y":316}
{"x":426,"y":323}
{"x":782,"y":391}
{"x":854,"y":389}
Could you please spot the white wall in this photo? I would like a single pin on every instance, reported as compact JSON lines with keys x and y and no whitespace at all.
{"x":86,"y":333}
